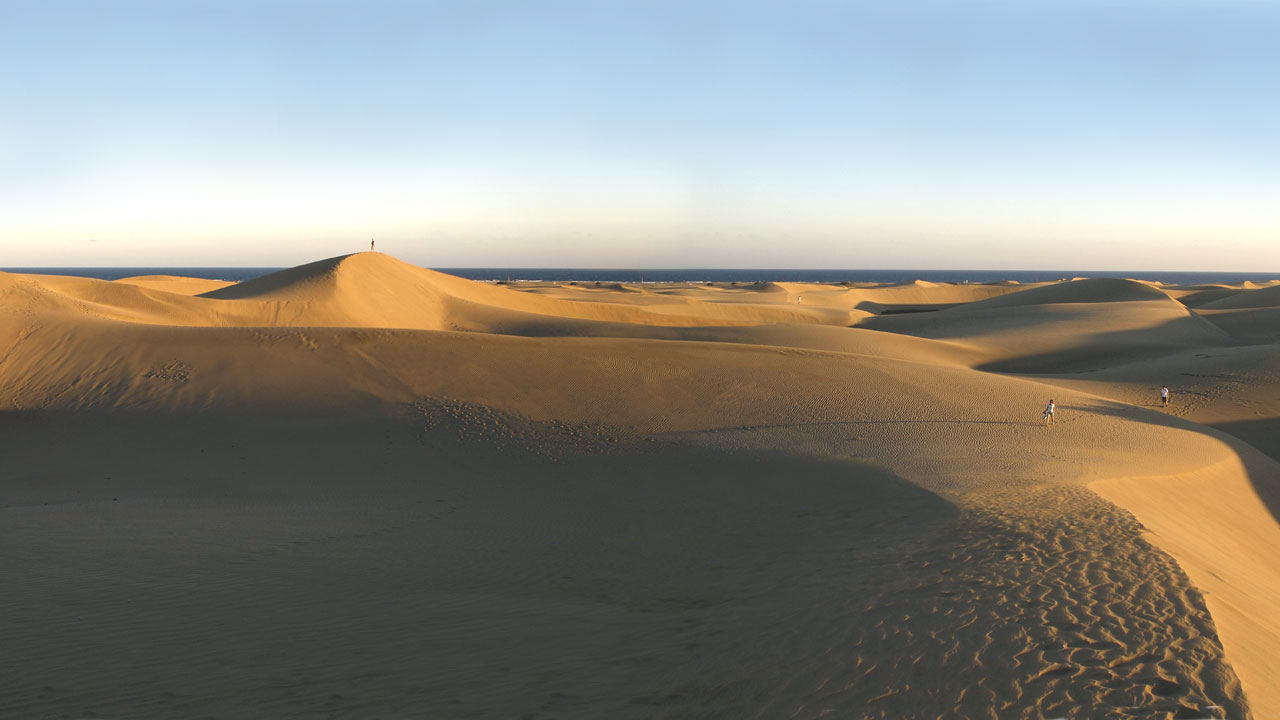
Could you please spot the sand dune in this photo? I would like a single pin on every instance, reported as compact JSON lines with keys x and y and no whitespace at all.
{"x":371,"y":290}
{"x":176,"y":285}
{"x":1195,"y":296}
{"x":1094,"y":290}
{"x":1259,"y":298}
{"x":1253,"y":326}
{"x":1061,"y":337}
{"x":360,"y":488}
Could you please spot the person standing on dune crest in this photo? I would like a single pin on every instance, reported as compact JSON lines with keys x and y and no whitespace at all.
{"x":1164,"y":395}
{"x":370,"y":246}
{"x":1048,"y":413}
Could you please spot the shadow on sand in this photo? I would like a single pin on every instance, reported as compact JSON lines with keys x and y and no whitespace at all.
{"x":1255,"y":442}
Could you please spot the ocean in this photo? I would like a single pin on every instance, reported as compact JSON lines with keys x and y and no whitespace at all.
{"x":642,"y":275}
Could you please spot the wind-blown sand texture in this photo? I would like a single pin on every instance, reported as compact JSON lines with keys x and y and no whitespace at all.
{"x":359,"y":488}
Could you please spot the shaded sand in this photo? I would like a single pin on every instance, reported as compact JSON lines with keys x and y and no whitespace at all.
{"x":176,"y":285}
{"x":364,"y":489}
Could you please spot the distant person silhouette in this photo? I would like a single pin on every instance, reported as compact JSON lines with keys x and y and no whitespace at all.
{"x":370,"y":246}
{"x":1048,"y":413}
{"x":1164,"y":395}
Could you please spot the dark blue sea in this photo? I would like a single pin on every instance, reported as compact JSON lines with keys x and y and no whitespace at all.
{"x":237,"y":274}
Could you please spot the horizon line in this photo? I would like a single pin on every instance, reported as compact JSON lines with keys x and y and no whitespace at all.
{"x":654,"y":268}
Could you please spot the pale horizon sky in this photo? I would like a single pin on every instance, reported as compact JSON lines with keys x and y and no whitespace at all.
{"x":1039,"y":134}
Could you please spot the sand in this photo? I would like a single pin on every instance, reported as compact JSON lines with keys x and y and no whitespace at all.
{"x":359,"y":488}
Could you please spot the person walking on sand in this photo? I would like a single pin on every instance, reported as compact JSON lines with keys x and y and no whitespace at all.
{"x":1164,"y":395}
{"x":370,"y":246}
{"x":1048,"y":413}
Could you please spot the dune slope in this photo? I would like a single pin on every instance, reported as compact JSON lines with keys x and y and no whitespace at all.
{"x":1078,"y":326}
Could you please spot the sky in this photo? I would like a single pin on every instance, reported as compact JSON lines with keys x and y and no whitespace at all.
{"x":1036,"y":134}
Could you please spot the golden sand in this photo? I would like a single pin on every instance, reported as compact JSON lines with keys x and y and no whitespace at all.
{"x":359,"y":488}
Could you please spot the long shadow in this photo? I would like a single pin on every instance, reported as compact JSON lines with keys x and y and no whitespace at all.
{"x":1095,"y":352}
{"x":1120,"y":347}
{"x":1250,"y":326}
{"x":1266,"y":484}
{"x":1263,"y":436}
{"x":837,"y":423}
{"x":457,"y":562}
{"x":902,"y":308}
{"x":1129,"y":347}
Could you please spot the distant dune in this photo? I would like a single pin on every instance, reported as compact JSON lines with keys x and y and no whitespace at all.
{"x":1259,"y":298}
{"x":176,"y":285}
{"x":1097,"y":290}
{"x":360,"y":488}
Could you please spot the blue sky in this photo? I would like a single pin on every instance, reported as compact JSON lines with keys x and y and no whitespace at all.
{"x":1032,"y":134}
